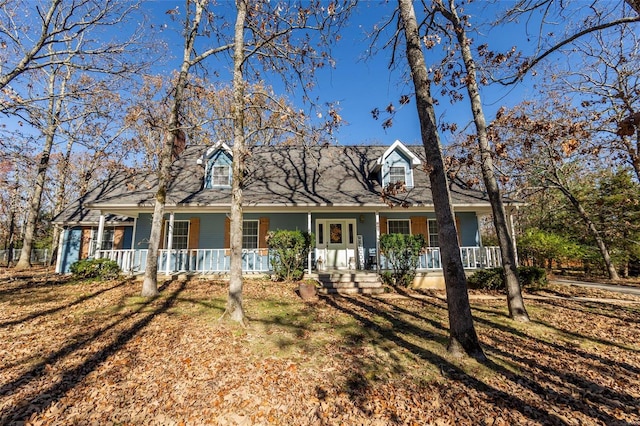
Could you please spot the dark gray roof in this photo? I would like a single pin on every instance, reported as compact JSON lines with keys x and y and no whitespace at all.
{"x":282,"y":175}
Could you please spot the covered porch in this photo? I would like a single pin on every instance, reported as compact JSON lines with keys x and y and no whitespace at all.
{"x":217,"y":261}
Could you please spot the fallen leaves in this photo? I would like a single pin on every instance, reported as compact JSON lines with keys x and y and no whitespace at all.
{"x":80,"y":353}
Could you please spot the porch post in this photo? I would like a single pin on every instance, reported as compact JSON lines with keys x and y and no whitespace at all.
{"x":479,"y":226}
{"x":100,"y":234}
{"x":312,"y":242}
{"x":512,"y":228}
{"x":63,"y":232}
{"x":133,"y":245}
{"x":377,"y":241}
{"x":169,"y":243}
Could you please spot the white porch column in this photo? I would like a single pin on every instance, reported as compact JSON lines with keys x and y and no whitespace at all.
{"x":100,"y":234}
{"x":312,"y":242}
{"x":61,"y":239}
{"x":169,"y":243}
{"x":132,"y":256}
{"x":377,"y":241}
{"x":133,"y":232}
{"x":512,"y":229}
{"x":479,"y":226}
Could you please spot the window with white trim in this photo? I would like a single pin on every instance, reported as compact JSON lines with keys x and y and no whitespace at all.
{"x":433,"y":233}
{"x":397,"y":174}
{"x":249,"y":234}
{"x":220,"y":175}
{"x":398,"y":226}
{"x":107,"y":238}
{"x":180,"y":240}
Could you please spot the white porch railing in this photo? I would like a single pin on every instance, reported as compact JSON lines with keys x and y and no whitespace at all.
{"x":472,"y":258}
{"x":258,"y":260}
{"x":188,"y":260}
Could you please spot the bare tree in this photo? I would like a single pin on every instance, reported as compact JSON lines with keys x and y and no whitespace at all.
{"x":608,"y":86}
{"x":463,"y":337}
{"x":602,"y":16}
{"x":273,"y":45}
{"x":48,"y":127}
{"x":515,"y":301}
{"x":171,"y":135}
{"x":55,"y":23}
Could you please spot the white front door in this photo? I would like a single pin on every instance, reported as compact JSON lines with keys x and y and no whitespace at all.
{"x":336,"y":242}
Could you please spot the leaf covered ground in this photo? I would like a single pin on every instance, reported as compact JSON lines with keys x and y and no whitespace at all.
{"x":96,"y":353}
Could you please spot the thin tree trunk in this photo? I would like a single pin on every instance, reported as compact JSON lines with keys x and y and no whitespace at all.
{"x":53,"y":115}
{"x":234,"y":302}
{"x":59,"y":201}
{"x":515,"y":302}
{"x":602,"y":246}
{"x":463,"y":337}
{"x":150,"y":282}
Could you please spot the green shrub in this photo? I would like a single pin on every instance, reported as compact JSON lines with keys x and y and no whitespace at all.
{"x":289,"y":253}
{"x":103,"y":269}
{"x":493,"y":278}
{"x":403,"y":254}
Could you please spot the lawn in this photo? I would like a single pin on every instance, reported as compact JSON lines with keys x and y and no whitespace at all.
{"x":96,"y":353}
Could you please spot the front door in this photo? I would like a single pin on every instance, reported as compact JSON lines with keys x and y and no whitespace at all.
{"x":336,"y":242}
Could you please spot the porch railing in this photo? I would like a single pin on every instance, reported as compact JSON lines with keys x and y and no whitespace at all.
{"x":472,"y":258}
{"x":206,"y":261}
{"x":188,"y":260}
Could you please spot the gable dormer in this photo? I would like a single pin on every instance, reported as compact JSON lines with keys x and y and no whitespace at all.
{"x":217,"y":163}
{"x":396,"y":164}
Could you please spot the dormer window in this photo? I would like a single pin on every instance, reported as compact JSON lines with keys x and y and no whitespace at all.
{"x":397,"y":174}
{"x":221,"y":175}
{"x":396,"y":165}
{"x":217,"y":162}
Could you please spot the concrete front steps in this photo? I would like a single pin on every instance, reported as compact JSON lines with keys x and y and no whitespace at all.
{"x":349,"y":282}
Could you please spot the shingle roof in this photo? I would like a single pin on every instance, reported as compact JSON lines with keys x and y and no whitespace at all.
{"x":283,"y":175}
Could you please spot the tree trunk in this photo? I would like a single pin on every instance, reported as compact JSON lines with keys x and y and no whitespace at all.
{"x":463,"y":337}
{"x":150,"y":282}
{"x":602,"y":246}
{"x":515,"y":302}
{"x":59,"y":199}
{"x":234,"y":302}
{"x":53,"y":115}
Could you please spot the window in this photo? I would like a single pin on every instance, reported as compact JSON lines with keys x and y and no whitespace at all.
{"x":397,"y":174}
{"x":250,"y":234}
{"x":398,"y":226}
{"x":107,"y":239}
{"x":220,"y":176}
{"x":433,"y":233}
{"x":180,"y":240}
{"x":335,"y":233}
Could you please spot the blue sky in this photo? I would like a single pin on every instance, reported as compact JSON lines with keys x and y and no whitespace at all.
{"x":359,"y":82}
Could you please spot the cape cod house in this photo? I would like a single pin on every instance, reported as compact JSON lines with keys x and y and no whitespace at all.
{"x":333,"y":191}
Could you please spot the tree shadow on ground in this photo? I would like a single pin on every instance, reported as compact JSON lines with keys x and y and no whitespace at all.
{"x":80,"y":300}
{"x":362,"y":309}
{"x":69,"y":378}
{"x":562,"y":331}
{"x":353,"y":306}
{"x":31,"y":282}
